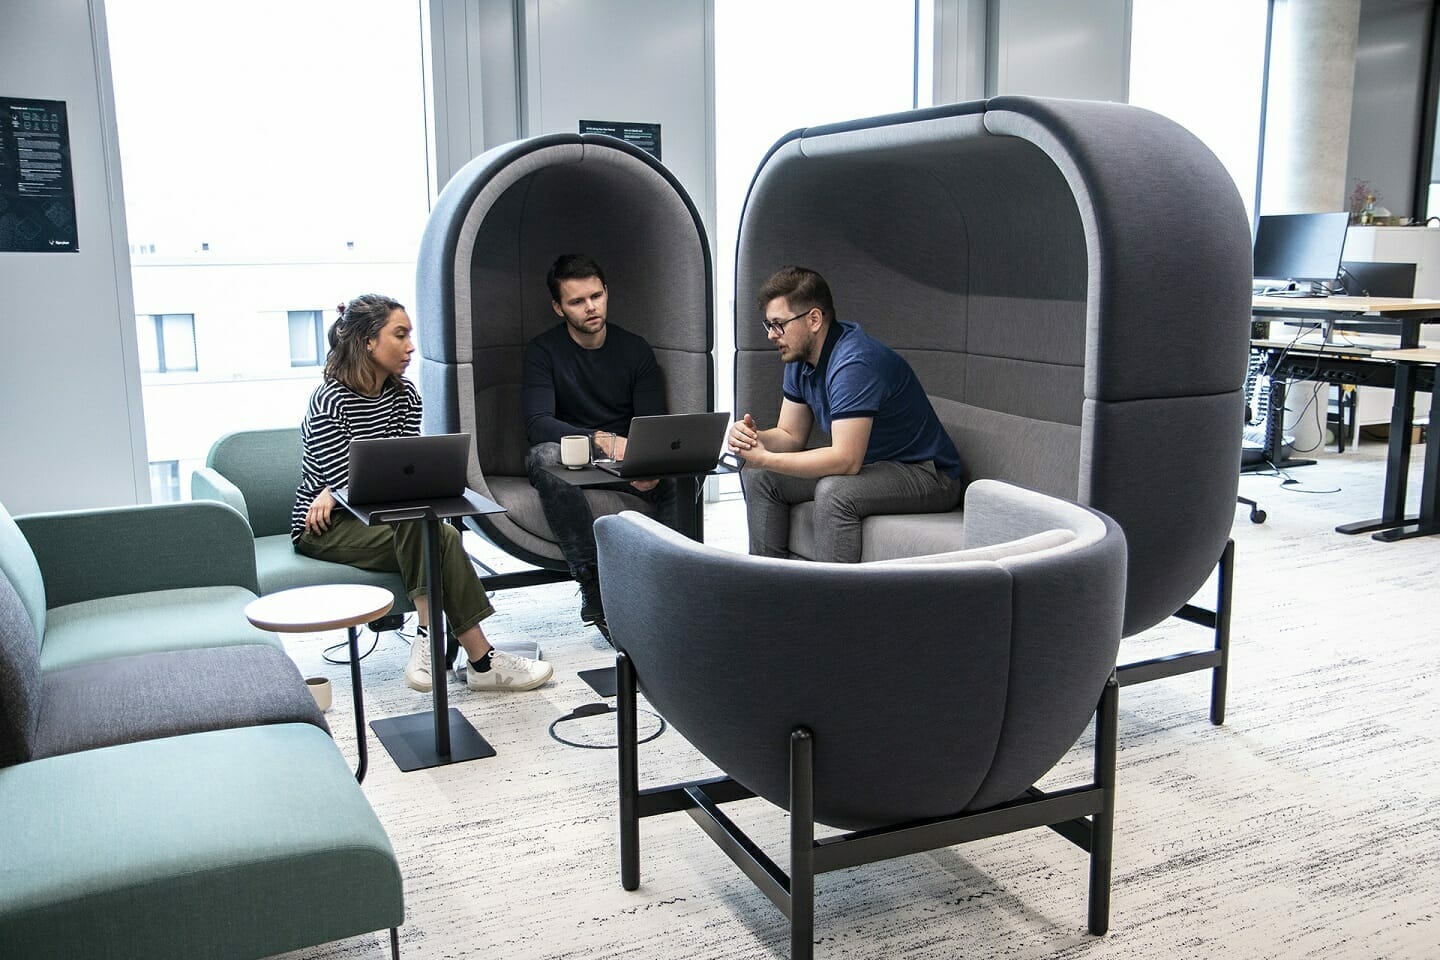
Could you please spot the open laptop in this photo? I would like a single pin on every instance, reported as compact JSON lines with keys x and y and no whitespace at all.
{"x":399,"y":470}
{"x":675,"y":444}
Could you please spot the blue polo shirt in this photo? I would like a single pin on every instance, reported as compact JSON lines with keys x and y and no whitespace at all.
{"x":858,"y":376}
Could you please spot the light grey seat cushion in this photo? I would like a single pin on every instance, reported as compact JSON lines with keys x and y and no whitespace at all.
{"x":138,"y":623}
{"x":128,"y":699}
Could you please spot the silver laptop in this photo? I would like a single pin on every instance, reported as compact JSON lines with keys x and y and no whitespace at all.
{"x":675,"y":444}
{"x":404,"y":469}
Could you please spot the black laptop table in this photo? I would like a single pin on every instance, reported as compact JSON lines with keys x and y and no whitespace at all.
{"x":692,"y":525}
{"x":408,"y":738}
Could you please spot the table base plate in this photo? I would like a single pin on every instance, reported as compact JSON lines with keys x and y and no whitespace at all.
{"x":602,"y":681}
{"x":410,"y":740}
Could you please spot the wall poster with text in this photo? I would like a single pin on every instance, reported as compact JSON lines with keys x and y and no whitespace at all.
{"x":37,"y":190}
{"x":646,"y":136}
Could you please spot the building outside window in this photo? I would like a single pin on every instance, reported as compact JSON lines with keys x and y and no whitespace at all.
{"x":242,"y":227}
{"x":167,"y":342}
{"x":164,"y":481}
{"x":307,"y":338}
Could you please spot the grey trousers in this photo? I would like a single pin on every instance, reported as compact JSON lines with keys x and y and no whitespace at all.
{"x":841,"y":503}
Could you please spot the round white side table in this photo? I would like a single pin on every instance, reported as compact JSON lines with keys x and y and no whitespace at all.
{"x":315,"y":609}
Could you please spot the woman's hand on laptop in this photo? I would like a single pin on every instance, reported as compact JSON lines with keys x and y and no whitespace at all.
{"x":317,"y":518}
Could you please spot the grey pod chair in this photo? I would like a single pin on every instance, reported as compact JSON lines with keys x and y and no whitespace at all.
{"x":1071,"y":282}
{"x":480,"y":297}
{"x":1008,"y":646}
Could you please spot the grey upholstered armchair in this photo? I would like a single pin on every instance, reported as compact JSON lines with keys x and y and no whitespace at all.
{"x":480,"y":297}
{"x":1006,"y":648}
{"x":1071,"y":282}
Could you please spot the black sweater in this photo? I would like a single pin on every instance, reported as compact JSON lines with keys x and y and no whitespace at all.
{"x":567,"y":389}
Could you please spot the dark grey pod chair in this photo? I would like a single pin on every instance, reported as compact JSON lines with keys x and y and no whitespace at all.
{"x":480,"y":296}
{"x":1070,"y":281}
{"x":993,"y":662}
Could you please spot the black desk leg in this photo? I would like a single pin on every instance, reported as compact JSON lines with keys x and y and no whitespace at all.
{"x":1397,"y":459}
{"x":361,"y":741}
{"x":436,"y":594}
{"x":1428,"y":521}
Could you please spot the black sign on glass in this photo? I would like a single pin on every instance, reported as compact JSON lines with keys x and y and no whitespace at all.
{"x":646,"y":136}
{"x":37,"y":191}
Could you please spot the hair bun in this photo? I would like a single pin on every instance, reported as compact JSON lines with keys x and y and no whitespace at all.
{"x":340,"y":309}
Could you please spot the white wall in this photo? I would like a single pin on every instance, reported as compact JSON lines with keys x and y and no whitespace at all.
{"x":72,"y":431}
{"x":1078,"y":50}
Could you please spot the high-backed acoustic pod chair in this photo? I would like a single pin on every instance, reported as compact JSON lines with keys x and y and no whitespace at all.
{"x":1070,"y":281}
{"x":993,"y":662}
{"x":480,"y":297}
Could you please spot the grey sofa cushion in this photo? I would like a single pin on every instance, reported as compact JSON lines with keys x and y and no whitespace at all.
{"x":156,"y":695}
{"x":19,"y":678}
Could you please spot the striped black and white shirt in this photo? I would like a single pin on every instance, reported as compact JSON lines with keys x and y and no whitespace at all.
{"x":338,"y":415}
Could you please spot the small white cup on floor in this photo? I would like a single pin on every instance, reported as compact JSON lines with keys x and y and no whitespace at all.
{"x":575,"y":451}
{"x":319,"y":688}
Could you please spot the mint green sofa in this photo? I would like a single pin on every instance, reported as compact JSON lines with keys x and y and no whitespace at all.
{"x":121,"y":581}
{"x":168,"y":787}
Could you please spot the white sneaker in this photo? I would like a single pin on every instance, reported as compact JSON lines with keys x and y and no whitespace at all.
{"x":417,"y":671}
{"x":509,"y":672}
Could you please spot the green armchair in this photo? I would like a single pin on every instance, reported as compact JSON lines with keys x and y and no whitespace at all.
{"x":257,"y":472}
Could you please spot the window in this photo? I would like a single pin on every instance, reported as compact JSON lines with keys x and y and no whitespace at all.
{"x":164,"y":481}
{"x":252,"y":210}
{"x":307,"y":338}
{"x":1201,"y":65}
{"x":167,"y":342}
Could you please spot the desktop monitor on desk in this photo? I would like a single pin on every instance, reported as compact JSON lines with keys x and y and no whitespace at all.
{"x":1300,"y":248}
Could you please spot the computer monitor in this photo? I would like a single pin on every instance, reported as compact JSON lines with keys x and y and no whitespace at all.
{"x":1300,"y":247}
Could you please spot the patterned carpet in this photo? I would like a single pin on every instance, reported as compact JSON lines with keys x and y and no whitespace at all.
{"x":1307,"y":826}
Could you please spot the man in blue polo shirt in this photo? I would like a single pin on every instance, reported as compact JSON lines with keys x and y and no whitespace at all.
{"x":888,"y":452}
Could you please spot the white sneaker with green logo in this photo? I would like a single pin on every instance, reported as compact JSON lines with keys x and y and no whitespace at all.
{"x":509,"y":672}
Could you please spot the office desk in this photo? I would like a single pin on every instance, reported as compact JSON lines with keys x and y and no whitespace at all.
{"x":1338,"y":363}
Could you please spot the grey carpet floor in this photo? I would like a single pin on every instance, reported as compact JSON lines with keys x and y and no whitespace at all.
{"x":1307,"y":826}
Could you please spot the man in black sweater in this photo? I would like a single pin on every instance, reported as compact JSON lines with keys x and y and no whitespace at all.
{"x":586,"y":375}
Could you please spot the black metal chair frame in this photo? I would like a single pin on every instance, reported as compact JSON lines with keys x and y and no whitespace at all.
{"x":1216,"y":659}
{"x":1084,"y":815}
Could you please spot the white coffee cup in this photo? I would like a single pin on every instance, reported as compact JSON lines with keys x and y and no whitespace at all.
{"x":575,"y":451}
{"x":319,"y":688}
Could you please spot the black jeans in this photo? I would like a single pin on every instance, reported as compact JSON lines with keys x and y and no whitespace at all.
{"x":569,"y":514}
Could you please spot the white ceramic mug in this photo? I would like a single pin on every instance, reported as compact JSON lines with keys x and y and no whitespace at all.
{"x":575,"y":451}
{"x":319,"y":688}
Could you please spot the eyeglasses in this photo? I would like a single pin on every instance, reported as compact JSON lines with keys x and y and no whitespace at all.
{"x":777,"y":327}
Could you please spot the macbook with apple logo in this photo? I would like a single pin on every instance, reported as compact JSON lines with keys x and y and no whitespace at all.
{"x":676,"y":444}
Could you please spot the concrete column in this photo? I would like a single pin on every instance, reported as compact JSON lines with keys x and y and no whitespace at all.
{"x":1312,"y":82}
